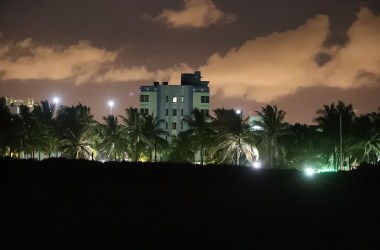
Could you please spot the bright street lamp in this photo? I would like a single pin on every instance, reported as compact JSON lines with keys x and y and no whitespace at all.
{"x":111,"y":104}
{"x":56,"y":100}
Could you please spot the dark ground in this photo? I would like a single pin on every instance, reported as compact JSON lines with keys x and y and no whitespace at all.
{"x":64,"y":204}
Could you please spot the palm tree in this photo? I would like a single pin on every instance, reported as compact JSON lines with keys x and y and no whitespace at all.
{"x":182,"y":148}
{"x":233,"y":138}
{"x":134,"y":128}
{"x":113,"y":141}
{"x":11,"y":132}
{"x":199,"y":129}
{"x":272,"y":126}
{"x":303,"y":147}
{"x":32,"y":130}
{"x":364,"y":144}
{"x":329,"y":119}
{"x":152,"y":135}
{"x":74,"y":126}
{"x":44,"y":113}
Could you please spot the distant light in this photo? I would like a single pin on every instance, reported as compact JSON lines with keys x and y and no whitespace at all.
{"x":257,"y":127}
{"x":238,"y":111}
{"x":111,"y":103}
{"x":56,"y":100}
{"x":256,"y":164}
{"x":309,"y":171}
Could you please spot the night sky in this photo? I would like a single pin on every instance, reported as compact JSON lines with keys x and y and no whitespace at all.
{"x":296,"y":54}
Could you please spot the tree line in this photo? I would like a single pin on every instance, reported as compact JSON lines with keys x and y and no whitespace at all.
{"x":340,"y":138}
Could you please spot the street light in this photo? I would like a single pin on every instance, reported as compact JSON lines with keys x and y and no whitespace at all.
{"x":111,"y":104}
{"x":239,"y":112}
{"x":56,"y":100}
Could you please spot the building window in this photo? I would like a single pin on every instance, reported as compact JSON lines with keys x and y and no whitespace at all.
{"x":181,"y":98}
{"x":174,"y":125}
{"x":144,"y":98}
{"x":167,"y":99}
{"x":144,"y":111}
{"x":167,"y":112}
{"x":181,"y":125}
{"x":205,"y":99}
{"x":174,"y":99}
{"x":166,"y":125}
{"x":174,"y":112}
{"x":182,"y":112}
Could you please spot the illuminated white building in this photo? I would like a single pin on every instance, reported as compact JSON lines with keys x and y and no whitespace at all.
{"x":172,"y":103}
{"x":14,"y":104}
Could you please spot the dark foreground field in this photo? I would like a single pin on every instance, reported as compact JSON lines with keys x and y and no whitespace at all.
{"x":64,"y":204}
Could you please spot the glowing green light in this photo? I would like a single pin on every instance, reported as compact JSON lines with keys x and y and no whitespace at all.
{"x":309,"y":171}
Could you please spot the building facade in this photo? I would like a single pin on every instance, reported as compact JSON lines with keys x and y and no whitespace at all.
{"x":14,"y":104}
{"x":172,"y":103}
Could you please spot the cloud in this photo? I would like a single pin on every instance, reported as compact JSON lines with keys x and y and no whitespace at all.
{"x":357,"y":63}
{"x":196,"y":14}
{"x":263,"y":69}
{"x":269,"y":67}
{"x":80,"y":63}
{"x":26,"y":60}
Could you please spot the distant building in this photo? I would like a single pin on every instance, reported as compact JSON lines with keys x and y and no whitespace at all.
{"x":15,"y":104}
{"x":173,"y":102}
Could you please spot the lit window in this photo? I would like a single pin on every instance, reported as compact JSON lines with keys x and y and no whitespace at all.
{"x":174,"y":99}
{"x":181,"y":98}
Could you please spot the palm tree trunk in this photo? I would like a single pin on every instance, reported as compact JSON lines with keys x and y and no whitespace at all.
{"x":155,"y":149}
{"x":271,"y":153}
{"x":201,"y":154}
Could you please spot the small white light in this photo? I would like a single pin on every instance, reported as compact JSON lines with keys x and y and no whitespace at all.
{"x":238,"y":111}
{"x":111,"y":103}
{"x":309,"y":171}
{"x":256,"y":164}
{"x":56,"y":100}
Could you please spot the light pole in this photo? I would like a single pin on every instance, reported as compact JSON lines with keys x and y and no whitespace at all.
{"x":55,"y":101}
{"x":111,"y":104}
{"x":341,"y":142}
{"x":239,"y":112}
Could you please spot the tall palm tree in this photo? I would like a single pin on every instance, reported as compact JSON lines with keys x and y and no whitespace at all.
{"x":113,"y":141}
{"x":74,"y":126}
{"x":272,"y":126}
{"x":32,"y":129}
{"x":364,"y":144}
{"x":182,"y":148}
{"x":329,"y":119}
{"x":199,"y":129}
{"x":44,"y":113}
{"x":303,"y":146}
{"x":233,"y":138}
{"x":134,"y":128}
{"x":152,"y":135}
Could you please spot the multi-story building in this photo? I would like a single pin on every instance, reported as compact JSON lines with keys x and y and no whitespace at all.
{"x":172,"y":103}
{"x":14,"y":104}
